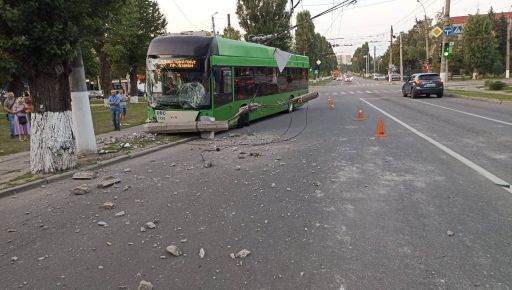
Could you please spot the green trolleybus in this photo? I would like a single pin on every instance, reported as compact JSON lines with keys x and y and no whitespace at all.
{"x":200,"y":83}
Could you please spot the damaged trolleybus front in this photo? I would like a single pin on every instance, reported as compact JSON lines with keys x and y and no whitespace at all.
{"x":208,"y":84}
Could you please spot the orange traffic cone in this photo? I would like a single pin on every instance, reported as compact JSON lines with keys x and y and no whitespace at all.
{"x":360,"y":116}
{"x":330,"y":102}
{"x":380,"y":129}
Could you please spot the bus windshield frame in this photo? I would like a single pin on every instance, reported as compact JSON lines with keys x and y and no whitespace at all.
{"x":178,"y":83}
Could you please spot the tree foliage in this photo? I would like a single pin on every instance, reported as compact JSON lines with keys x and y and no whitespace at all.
{"x":304,"y":33}
{"x":265,"y":17}
{"x":479,"y":44}
{"x":231,"y":33}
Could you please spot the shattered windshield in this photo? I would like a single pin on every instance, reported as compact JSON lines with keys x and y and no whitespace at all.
{"x":178,"y":83}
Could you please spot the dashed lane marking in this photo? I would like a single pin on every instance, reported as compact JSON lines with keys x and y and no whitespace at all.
{"x":493,"y":178}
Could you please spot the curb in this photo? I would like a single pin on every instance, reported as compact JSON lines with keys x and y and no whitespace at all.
{"x":489,"y":100}
{"x":57,"y":177}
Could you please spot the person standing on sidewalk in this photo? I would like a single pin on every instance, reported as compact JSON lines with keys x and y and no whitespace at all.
{"x":114,"y":100}
{"x":8,"y":106}
{"x":122,"y":105}
{"x":21,"y":125}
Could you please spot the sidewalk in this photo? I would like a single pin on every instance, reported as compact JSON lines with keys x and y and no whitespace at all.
{"x":17,"y":165}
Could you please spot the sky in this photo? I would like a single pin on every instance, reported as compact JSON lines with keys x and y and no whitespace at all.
{"x":368,"y":20}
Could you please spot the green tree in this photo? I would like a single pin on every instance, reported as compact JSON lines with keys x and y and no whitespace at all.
{"x":265,"y":17}
{"x":231,"y":33}
{"x":304,"y":33}
{"x":42,"y":37}
{"x":479,"y":44}
{"x":501,"y":36}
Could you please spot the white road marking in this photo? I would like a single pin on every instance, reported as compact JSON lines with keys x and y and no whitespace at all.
{"x":466,"y":113}
{"x":369,"y":92}
{"x":493,"y":178}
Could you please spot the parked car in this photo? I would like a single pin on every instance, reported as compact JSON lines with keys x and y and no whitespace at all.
{"x":379,"y":77}
{"x":394,"y":77}
{"x":96,"y":95}
{"x":423,"y":84}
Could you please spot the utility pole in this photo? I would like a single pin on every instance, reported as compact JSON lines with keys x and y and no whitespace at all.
{"x":509,"y":27}
{"x":80,"y":108}
{"x":374,"y":57}
{"x":229,"y":25}
{"x":444,"y":61}
{"x":391,"y":53}
{"x":213,"y":23}
{"x":426,"y":31}
{"x":401,"y":60}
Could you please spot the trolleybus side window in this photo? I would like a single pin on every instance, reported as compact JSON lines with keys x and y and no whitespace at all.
{"x":244,"y":83}
{"x":223,"y":86}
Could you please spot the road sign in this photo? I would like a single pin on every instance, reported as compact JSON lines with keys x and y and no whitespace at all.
{"x":437,"y":31}
{"x":318,"y":62}
{"x":447,"y":30}
{"x":457,"y":30}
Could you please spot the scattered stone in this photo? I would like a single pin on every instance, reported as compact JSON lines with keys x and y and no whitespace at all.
{"x":288,"y":189}
{"x":80,"y":190}
{"x":175,"y":251}
{"x":143,"y":229}
{"x":238,"y":168}
{"x":183,"y":240}
{"x":201,"y":253}
{"x":273,"y":185}
{"x":150,"y":225}
{"x":109,"y":244}
{"x":450,"y":233}
{"x":126,"y":170}
{"x":243,"y":253}
{"x":84,"y":175}
{"x":77,"y":231}
{"x":108,"y":181}
{"x":11,"y":230}
{"x":108,"y":205}
{"x":144,"y":285}
{"x":163,"y":257}
{"x":232,"y":255}
{"x":207,"y":164}
{"x":102,"y":224}
{"x":172,"y":165}
{"x":119,"y":214}
{"x":127,"y":187}
{"x":317,"y":183}
{"x":14,"y":259}
{"x":100,"y":267}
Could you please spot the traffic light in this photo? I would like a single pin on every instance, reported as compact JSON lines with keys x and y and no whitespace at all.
{"x":447,"y":49}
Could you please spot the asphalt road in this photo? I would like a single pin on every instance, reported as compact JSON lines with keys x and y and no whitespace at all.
{"x":319,"y":201}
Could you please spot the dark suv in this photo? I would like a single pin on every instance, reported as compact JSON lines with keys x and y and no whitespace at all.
{"x":423,"y":84}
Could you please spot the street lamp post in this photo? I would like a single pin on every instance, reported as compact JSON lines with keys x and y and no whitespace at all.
{"x":213,"y":23}
{"x":426,"y":30}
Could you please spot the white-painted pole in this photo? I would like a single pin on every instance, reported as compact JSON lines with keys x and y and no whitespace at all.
{"x":81,"y":110}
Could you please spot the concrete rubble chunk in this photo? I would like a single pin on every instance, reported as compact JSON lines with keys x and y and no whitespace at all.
{"x":143,"y":229}
{"x":201,"y":253}
{"x":14,"y":259}
{"x":80,"y":190}
{"x":450,"y":233}
{"x":108,"y":181}
{"x":232,"y":255}
{"x":102,"y":224}
{"x":108,"y":205}
{"x":174,"y":250}
{"x":84,"y":175}
{"x":126,"y":170}
{"x":145,"y":285}
{"x":150,"y":225}
{"x":207,"y":164}
{"x":119,"y":214}
{"x":243,"y":253}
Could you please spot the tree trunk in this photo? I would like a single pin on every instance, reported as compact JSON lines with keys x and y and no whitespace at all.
{"x":15,"y":85}
{"x":133,"y":83}
{"x":53,"y":141}
{"x":105,"y":72}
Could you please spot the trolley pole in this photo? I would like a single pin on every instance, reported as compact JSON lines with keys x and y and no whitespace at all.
{"x":374,"y":57}
{"x":444,"y":61}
